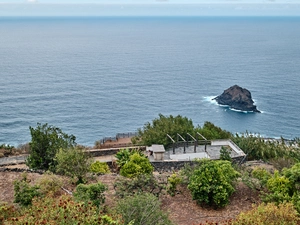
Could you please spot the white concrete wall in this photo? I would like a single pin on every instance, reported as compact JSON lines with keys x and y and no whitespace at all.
{"x":229,"y":143}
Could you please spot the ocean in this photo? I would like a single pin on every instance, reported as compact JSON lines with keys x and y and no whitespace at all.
{"x":95,"y":77}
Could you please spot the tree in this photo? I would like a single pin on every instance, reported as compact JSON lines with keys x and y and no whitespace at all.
{"x":74,"y":163}
{"x":46,"y":140}
{"x":211,"y":131}
{"x":156,"y":132}
{"x":212,"y":182}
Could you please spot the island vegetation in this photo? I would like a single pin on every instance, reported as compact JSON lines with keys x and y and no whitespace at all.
{"x":69,"y":191}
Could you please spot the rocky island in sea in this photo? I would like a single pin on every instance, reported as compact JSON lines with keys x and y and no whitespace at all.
{"x":237,"y":98}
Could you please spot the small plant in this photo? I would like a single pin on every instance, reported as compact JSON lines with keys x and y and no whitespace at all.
{"x":49,"y":183}
{"x":137,"y":165}
{"x":100,"y":168}
{"x":123,"y":156}
{"x":143,"y":208}
{"x":6,"y":211}
{"x":173,"y":181}
{"x":225,"y":154}
{"x":283,"y":162}
{"x":24,"y":192}
{"x":143,"y":183}
{"x":6,"y":150}
{"x":186,"y":172}
{"x":91,"y":193}
{"x":261,"y":174}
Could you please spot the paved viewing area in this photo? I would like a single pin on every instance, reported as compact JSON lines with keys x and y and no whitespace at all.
{"x":210,"y":151}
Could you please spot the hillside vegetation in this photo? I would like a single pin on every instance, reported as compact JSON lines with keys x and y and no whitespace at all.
{"x":139,"y":195}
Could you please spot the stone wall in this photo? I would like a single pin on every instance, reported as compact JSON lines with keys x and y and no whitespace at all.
{"x":20,"y":170}
{"x":169,"y":166}
{"x":111,"y":151}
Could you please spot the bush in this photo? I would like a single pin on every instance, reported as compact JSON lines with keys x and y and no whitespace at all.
{"x":137,"y":165}
{"x":24,"y":192}
{"x":142,"y":209}
{"x":269,"y":214}
{"x":212,"y":182}
{"x":62,"y":211}
{"x":123,"y":156}
{"x":280,"y":189}
{"x":173,"y":181}
{"x":283,"y":162}
{"x":7,"y":211}
{"x":74,"y":163}
{"x":262,"y":175}
{"x":49,"y":183}
{"x":293,"y":174}
{"x":143,"y":183}
{"x":257,"y":148}
{"x":91,"y":193}
{"x":100,"y":168}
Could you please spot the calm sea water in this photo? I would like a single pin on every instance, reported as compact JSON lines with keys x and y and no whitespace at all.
{"x":96,"y":77}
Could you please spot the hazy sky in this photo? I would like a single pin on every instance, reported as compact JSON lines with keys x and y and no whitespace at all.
{"x":149,"y":7}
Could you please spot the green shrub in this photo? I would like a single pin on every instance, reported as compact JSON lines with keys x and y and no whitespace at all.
{"x":143,"y":209}
{"x":269,"y":214}
{"x":284,"y":187}
{"x":62,"y":210}
{"x":257,"y":148}
{"x":261,"y":174}
{"x":49,"y":183}
{"x":74,"y":163}
{"x":100,"y":168}
{"x":123,"y":156}
{"x":225,"y":154}
{"x":137,"y":165}
{"x":173,"y":181}
{"x":91,"y":193}
{"x":187,"y":171}
{"x":293,"y":174}
{"x":279,"y":189}
{"x":212,"y":182}
{"x":24,"y":192}
{"x":139,"y":184}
